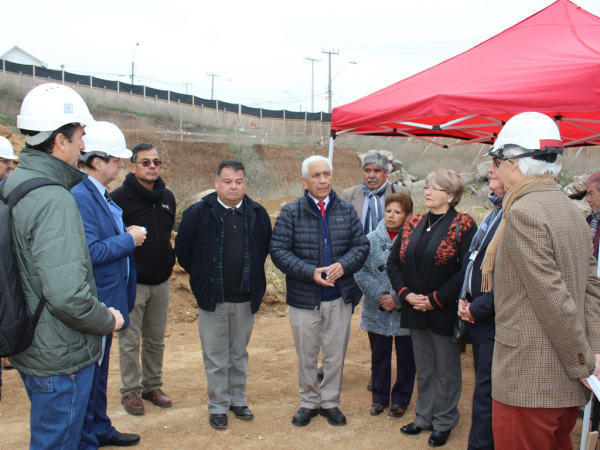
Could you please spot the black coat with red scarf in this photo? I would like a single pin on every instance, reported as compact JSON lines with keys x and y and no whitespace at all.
{"x":439,"y":274}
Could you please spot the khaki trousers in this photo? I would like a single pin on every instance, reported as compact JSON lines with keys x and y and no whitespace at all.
{"x":148,"y":320}
{"x":327,"y":328}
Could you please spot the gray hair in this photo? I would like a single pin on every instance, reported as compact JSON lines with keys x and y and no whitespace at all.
{"x":594,"y":178}
{"x":376,"y":158}
{"x":530,"y":167}
{"x":450,"y":181}
{"x":308,"y":161}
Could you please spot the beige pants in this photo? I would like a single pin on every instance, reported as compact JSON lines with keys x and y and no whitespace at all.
{"x":147,"y":321}
{"x":329,"y":329}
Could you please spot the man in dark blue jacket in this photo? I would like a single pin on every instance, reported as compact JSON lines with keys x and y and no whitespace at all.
{"x":111,"y":249}
{"x":222,"y":242}
{"x":318,"y":242}
{"x":477,"y":308}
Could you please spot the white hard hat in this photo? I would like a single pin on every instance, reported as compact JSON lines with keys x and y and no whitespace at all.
{"x":105,"y":139}
{"x":534,"y":133}
{"x":6,"y":149}
{"x":48,"y":107}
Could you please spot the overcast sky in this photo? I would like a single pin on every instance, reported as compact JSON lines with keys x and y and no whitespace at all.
{"x":259,"y":46}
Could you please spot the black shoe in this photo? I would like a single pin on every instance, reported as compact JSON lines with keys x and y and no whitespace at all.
{"x":334,"y":416}
{"x":219,"y":421}
{"x":303,"y":416}
{"x":122,"y":440}
{"x":242,"y":412}
{"x":438,"y":438}
{"x":370,"y":385}
{"x":411,"y":429}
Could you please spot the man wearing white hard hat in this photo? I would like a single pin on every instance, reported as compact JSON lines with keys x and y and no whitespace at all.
{"x":546,"y":294}
{"x":50,"y":246}
{"x":111,"y":247}
{"x":6,"y":157}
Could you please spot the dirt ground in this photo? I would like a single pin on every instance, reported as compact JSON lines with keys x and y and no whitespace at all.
{"x":272,"y":394}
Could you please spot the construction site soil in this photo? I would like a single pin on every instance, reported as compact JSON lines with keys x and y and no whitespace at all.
{"x":273,"y":373}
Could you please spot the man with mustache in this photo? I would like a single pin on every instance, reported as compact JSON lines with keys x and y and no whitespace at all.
{"x":374,"y":186}
{"x":147,"y":202}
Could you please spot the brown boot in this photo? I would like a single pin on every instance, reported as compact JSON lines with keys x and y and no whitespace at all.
{"x":158,"y":398}
{"x":133,"y":404}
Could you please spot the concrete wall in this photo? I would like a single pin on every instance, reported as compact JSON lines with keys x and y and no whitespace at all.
{"x":176,"y":111}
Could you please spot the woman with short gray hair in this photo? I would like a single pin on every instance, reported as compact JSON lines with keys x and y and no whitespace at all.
{"x":423,"y":267}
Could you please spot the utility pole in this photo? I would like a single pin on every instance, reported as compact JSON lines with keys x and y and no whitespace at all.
{"x":312,"y":94}
{"x":332,"y":52}
{"x":186,"y":85}
{"x":212,"y":91}
{"x":132,"y":63}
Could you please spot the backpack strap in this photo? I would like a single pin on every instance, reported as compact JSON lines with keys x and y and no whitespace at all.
{"x":25,"y":188}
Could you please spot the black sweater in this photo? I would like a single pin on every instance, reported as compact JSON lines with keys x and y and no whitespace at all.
{"x":438,"y":276}
{"x":155,"y":258}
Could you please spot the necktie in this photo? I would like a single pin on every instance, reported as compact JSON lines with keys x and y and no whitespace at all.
{"x":322,"y":208}
{"x":108,"y":197}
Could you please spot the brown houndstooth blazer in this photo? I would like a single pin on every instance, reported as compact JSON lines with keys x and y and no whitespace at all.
{"x":547,"y":301}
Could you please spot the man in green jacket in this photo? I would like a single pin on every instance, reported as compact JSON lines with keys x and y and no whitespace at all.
{"x":53,"y":259}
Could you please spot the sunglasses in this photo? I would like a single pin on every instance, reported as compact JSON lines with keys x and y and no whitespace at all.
{"x":147,"y":162}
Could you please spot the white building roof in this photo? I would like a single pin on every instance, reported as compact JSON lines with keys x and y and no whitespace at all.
{"x":18,"y":55}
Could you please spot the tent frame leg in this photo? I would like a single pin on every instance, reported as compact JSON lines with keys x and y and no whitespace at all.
{"x":331,"y":146}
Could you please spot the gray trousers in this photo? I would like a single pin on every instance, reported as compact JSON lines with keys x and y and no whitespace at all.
{"x":439,"y":380}
{"x":224,"y":335}
{"x":148,"y":320}
{"x":329,"y":329}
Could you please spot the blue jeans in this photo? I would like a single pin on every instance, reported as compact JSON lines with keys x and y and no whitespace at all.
{"x":58,"y":405}
{"x":97,"y":427}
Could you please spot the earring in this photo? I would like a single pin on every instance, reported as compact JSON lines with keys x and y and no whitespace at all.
{"x":448,"y":201}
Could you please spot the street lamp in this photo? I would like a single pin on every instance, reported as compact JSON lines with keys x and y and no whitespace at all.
{"x":132,"y":63}
{"x":213,"y":91}
{"x":331,"y":80}
{"x":295,"y":99}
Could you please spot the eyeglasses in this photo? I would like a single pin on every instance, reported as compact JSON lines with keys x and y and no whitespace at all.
{"x":432,"y":188}
{"x":147,"y":162}
{"x":497,"y":161}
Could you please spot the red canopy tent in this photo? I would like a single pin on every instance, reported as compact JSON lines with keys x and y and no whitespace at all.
{"x":549,"y":63}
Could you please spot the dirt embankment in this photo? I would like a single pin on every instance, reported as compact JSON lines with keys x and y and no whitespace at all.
{"x":287,"y":163}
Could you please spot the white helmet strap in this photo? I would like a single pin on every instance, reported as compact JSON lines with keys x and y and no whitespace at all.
{"x":38,"y":138}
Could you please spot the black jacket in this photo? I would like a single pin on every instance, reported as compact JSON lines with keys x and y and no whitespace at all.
{"x":197,"y":248}
{"x":439,"y":276}
{"x":297,"y":248}
{"x":155,"y":258}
